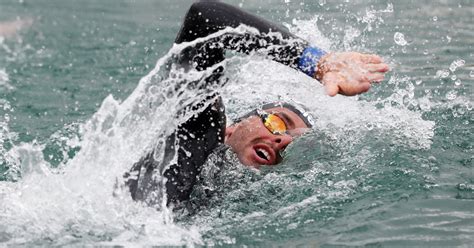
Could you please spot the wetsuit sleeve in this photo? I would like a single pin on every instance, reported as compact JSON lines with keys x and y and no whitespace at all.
{"x":208,"y":17}
{"x":191,"y":144}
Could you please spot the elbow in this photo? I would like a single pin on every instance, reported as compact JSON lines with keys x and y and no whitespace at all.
{"x":200,"y":7}
{"x":208,"y":7}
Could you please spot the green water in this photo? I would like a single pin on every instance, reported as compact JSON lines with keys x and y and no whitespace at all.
{"x":397,"y":171}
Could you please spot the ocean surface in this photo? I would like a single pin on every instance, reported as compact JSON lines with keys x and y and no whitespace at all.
{"x":83,"y":96}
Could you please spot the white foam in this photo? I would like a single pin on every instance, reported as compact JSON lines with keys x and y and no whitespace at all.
{"x":85,"y":199}
{"x":255,"y":86}
{"x":4,"y":80}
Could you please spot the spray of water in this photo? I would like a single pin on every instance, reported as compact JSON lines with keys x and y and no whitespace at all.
{"x":84,"y":198}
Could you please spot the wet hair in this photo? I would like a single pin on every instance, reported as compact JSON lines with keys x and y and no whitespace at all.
{"x":298,"y":110}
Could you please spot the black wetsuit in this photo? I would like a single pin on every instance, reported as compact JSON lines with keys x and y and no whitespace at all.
{"x":203,"y":132}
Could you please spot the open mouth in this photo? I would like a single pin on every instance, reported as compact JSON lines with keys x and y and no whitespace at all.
{"x":264,"y":154}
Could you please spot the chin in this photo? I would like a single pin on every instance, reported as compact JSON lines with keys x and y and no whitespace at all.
{"x":248,"y":162}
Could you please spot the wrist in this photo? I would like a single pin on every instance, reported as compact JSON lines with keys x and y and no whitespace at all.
{"x":320,"y":68}
{"x":309,"y":60}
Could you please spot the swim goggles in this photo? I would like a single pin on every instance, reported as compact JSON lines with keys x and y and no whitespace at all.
{"x":297,"y":109}
{"x":273,"y":123}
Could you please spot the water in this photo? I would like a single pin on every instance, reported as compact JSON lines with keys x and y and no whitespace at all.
{"x":393,"y":167}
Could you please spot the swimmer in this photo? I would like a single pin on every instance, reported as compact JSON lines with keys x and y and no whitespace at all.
{"x":258,"y":137}
{"x":10,"y":28}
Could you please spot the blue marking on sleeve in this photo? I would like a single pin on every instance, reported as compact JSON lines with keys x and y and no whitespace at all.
{"x":309,"y":60}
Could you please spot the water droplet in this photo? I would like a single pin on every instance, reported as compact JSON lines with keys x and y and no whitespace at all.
{"x":292,"y":226}
{"x":322,"y":2}
{"x":457,"y":82}
{"x":404,"y":197}
{"x":455,"y":64}
{"x":468,"y":106}
{"x":369,"y":126}
{"x":465,"y":187}
{"x":154,"y":90}
{"x":454,"y":77}
{"x":435,"y":18}
{"x":410,"y":87}
{"x":418,"y":82}
{"x":399,"y":38}
{"x":471,"y":74}
{"x":442,"y":73}
{"x":448,"y":38}
{"x":451,"y":95}
{"x":425,"y":52}
{"x":425,"y":106}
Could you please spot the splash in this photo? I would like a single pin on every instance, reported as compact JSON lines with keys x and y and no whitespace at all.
{"x":84,"y":199}
{"x":308,"y":30}
{"x":4,"y":79}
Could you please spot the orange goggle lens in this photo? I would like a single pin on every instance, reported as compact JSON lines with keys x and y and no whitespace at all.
{"x":274,"y":124}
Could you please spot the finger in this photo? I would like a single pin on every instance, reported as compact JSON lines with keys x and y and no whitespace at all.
{"x":382,"y":67}
{"x":331,"y":82}
{"x":371,"y":58}
{"x":363,"y":88}
{"x":331,"y":88}
{"x":375,"y":77}
{"x":355,"y":89}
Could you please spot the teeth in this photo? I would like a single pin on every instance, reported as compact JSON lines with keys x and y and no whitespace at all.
{"x":263,"y":153}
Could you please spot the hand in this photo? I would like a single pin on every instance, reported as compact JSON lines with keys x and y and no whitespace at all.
{"x":350,"y":73}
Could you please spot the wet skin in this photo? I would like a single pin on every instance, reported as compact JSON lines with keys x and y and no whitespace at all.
{"x":255,"y":145}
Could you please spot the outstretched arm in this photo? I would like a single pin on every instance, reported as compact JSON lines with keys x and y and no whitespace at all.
{"x":208,"y":17}
{"x":347,"y":73}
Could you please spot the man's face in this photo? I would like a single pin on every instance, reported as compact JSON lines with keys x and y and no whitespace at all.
{"x":255,"y":145}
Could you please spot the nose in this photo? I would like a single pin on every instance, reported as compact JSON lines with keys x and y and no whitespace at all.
{"x":281,"y":141}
